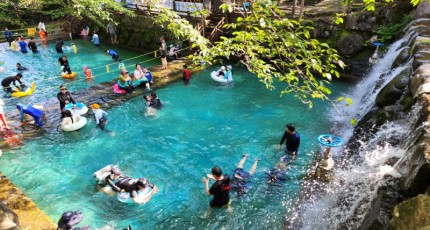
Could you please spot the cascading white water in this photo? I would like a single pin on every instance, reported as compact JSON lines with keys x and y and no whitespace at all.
{"x":346,"y":201}
{"x":364,"y":93}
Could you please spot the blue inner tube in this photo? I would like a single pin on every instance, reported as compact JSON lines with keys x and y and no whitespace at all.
{"x":330,"y":140}
{"x":377,"y":43}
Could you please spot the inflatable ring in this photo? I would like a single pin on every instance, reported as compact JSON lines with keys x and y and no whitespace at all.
{"x":124,"y":197}
{"x":75,"y":126}
{"x":378,"y":44}
{"x":214,"y":76}
{"x":81,"y":109}
{"x":68,"y":76}
{"x":117,"y":90}
{"x":330,"y":140}
{"x":30,"y":90}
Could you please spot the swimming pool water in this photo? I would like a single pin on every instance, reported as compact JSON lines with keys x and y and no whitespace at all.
{"x":201,"y":125}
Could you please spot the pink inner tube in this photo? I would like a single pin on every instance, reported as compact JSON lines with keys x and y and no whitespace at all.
{"x":116,"y":89}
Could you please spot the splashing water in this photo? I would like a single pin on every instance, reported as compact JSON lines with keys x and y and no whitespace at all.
{"x":346,"y":201}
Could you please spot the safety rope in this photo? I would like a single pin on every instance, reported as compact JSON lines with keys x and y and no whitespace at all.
{"x":94,"y":76}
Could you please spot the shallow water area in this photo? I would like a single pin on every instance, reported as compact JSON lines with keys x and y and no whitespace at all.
{"x":201,"y":125}
{"x":44,"y":70}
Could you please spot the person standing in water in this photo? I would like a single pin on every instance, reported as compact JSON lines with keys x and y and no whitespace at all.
{"x":186,"y":75}
{"x":95,"y":39}
{"x":32,"y":45}
{"x":99,"y":116}
{"x":23,"y":45}
{"x":59,"y":45}
{"x":220,"y":189}
{"x":64,"y":97}
{"x":292,"y":141}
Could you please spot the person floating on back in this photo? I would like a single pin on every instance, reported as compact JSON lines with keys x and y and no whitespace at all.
{"x":112,"y":53}
{"x":240,"y":182}
{"x":133,"y":186}
{"x":292,"y":141}
{"x":220,"y":189}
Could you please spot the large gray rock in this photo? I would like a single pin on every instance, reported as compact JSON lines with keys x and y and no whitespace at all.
{"x":350,"y":45}
{"x":419,"y":83}
{"x":422,"y":11}
{"x":401,"y":58}
{"x":393,"y":91}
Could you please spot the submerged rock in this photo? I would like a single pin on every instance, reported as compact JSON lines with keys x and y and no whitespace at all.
{"x":412,"y":214}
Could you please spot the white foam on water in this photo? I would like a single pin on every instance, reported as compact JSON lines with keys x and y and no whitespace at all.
{"x":347,"y":199}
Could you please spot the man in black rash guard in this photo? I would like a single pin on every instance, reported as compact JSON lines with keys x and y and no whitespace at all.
{"x":220,"y":189}
{"x":64,"y":97}
{"x":32,"y":45}
{"x":65,"y":63}
{"x":132,"y":186}
{"x":59,"y":45}
{"x":12,"y":80}
{"x":292,"y":138}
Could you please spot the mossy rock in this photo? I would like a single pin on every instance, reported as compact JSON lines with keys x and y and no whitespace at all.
{"x":381,"y":117}
{"x":412,"y":214}
{"x":407,"y":102}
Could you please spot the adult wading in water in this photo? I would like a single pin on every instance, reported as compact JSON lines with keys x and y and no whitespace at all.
{"x":64,"y":97}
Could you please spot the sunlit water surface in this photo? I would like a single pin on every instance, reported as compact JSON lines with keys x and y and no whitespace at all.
{"x":201,"y":125}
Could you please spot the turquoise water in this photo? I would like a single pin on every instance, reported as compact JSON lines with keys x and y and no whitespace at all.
{"x":201,"y":125}
{"x":45,"y":71}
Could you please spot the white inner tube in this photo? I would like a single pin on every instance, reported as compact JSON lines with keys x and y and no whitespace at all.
{"x":79,"y":111}
{"x":75,"y":126}
{"x":222,"y":79}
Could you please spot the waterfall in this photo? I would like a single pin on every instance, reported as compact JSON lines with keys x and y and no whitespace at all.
{"x":345,"y":202}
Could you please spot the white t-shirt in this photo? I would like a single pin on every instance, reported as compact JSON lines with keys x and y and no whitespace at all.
{"x":41,"y":26}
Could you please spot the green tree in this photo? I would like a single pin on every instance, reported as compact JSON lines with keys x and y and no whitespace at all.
{"x":271,"y":46}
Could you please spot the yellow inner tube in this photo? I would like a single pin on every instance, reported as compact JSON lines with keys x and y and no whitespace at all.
{"x":28,"y":92}
{"x":65,"y":75}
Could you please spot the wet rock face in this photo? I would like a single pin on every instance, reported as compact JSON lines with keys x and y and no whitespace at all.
{"x":422,"y":11}
{"x":419,"y":82}
{"x":412,"y":214}
{"x":350,"y":45}
{"x":401,"y":58}
{"x":393,"y":90}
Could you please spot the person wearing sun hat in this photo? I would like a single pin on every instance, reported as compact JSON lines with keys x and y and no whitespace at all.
{"x":124,"y":81}
{"x":99,"y":116}
{"x":221,"y":72}
{"x":64,"y":97}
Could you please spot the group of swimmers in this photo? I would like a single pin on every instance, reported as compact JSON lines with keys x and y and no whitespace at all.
{"x":239,"y":183}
